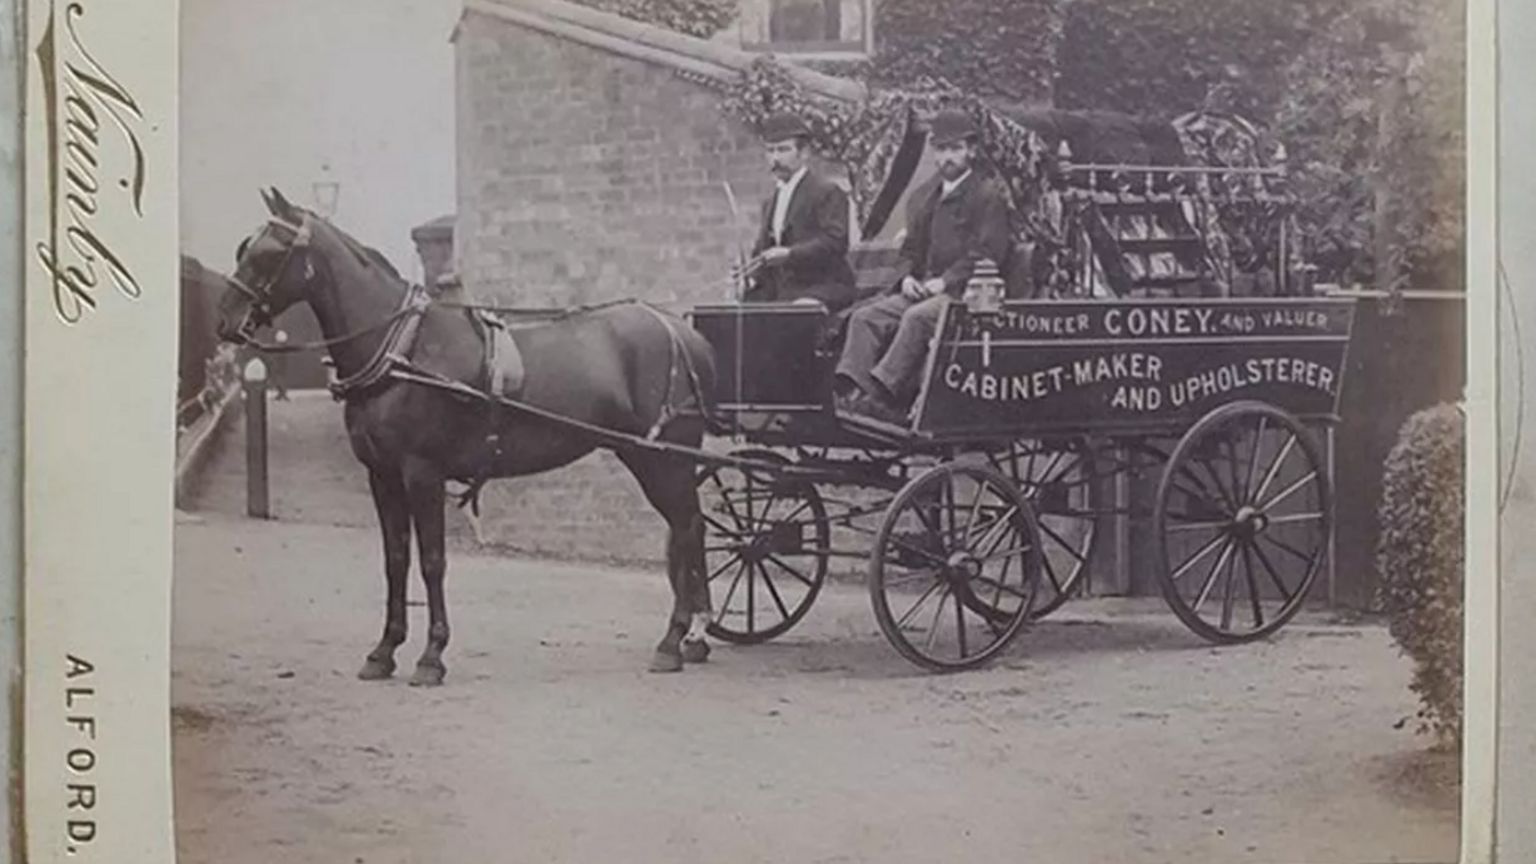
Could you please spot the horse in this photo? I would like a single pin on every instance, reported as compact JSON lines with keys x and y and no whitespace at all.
{"x":614,"y":367}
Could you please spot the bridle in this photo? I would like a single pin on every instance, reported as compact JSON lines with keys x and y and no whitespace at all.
{"x":261,"y":313}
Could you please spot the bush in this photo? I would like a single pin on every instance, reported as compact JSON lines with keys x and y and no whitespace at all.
{"x":1419,"y":559}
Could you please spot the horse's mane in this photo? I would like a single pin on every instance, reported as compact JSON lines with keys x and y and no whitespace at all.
{"x":366,"y":255}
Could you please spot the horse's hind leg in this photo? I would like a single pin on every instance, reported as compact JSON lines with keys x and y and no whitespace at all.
{"x":389,"y":499}
{"x":424,"y":490}
{"x":668,"y":483}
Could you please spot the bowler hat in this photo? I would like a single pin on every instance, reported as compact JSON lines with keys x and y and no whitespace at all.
{"x":782,"y":126}
{"x":951,"y":126}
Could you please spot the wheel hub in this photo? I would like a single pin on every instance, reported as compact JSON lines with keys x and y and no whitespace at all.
{"x":1249,"y":522}
{"x":961,"y":567}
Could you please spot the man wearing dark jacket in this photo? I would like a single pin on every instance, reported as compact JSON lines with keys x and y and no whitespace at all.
{"x":801,"y":254}
{"x":961,"y":219}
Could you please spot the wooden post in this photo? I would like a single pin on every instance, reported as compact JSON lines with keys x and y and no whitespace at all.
{"x":257,"y":503}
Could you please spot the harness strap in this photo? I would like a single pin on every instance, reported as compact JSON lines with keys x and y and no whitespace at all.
{"x":394,"y":349}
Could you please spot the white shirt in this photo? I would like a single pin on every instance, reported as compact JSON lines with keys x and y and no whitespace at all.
{"x":781,"y":203}
{"x":948,"y":186}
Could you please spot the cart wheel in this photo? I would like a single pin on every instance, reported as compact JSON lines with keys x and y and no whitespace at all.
{"x":1245,"y":489}
{"x":1058,"y":478}
{"x":955,"y":567}
{"x":766,"y":539}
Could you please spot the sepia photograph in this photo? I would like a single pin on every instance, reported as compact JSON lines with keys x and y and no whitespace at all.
{"x":796,"y":430}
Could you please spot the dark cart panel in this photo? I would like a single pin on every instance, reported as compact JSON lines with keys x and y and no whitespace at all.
{"x":1130,"y":365}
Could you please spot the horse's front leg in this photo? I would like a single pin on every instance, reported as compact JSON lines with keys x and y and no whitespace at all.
{"x":424,"y":489}
{"x":389,"y":500}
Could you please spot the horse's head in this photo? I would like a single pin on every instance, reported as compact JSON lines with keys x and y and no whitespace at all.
{"x":272,"y":271}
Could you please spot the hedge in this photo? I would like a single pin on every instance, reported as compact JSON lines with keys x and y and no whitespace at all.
{"x":1420,"y":561}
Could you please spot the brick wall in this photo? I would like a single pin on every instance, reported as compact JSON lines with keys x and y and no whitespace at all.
{"x":585,"y":175}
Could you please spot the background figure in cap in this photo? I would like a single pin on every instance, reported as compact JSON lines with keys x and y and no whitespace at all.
{"x":957,"y":221}
{"x":801,"y":253}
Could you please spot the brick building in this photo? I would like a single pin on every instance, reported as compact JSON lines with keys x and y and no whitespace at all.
{"x":592,"y":161}
{"x":593,"y":156}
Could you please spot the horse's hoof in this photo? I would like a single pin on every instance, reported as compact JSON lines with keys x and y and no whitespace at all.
{"x":428,"y":675}
{"x":664,"y":662}
{"x":376,"y":670}
{"x":696,"y":651}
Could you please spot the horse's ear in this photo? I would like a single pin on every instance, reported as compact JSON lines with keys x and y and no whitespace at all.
{"x":284,"y":208}
{"x":266,"y":198}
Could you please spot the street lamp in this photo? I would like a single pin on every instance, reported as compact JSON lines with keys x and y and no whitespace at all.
{"x":327,"y":194}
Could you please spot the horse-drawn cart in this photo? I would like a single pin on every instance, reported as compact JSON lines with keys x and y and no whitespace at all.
{"x":1168,"y":327}
{"x":1135,"y":356}
{"x":985,"y":509}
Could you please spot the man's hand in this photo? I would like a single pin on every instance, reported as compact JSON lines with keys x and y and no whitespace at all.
{"x":912,"y":289}
{"x":933,"y":287}
{"x":775,"y":256}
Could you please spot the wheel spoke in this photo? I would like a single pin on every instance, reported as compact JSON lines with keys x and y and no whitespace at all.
{"x":960,"y":626}
{"x":1238,"y":492}
{"x":751,"y":599}
{"x":1001,"y":583}
{"x":1289,"y":490}
{"x":1051,"y":532}
{"x":895,"y":541}
{"x":937,"y":584}
{"x":910,"y":577}
{"x":1001,"y":587}
{"x":1294,"y":518}
{"x":1210,"y":579}
{"x":933,"y":628}
{"x":1226,"y":593}
{"x":1195,"y":558}
{"x":792,"y":571}
{"x":1286,"y":547}
{"x":732,"y":534}
{"x":725,"y":498}
{"x":1006,"y":554}
{"x":1274,"y":467}
{"x":1274,"y":575}
{"x":773,"y":590}
{"x":731,"y":592}
{"x":1253,"y":458}
{"x":1253,"y":587}
{"x":722,"y":568}
{"x":1221,"y":489}
{"x":1197,"y":526}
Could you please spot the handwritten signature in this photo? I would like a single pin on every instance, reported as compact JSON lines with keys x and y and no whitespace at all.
{"x":91,"y":98}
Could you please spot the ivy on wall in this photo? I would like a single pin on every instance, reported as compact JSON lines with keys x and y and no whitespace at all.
{"x":1000,"y":50}
{"x":1366,"y":95}
{"x":701,"y":18}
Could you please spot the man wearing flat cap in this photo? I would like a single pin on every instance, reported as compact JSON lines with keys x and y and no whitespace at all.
{"x":958,"y":221}
{"x":801,"y":254}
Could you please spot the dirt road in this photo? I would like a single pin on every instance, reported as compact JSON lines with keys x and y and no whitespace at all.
{"x":1107,"y":735}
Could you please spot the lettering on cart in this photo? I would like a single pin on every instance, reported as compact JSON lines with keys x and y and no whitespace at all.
{"x":1160,"y":321}
{"x":1249,"y":373}
{"x":1040,"y":383}
{"x":79,"y":693}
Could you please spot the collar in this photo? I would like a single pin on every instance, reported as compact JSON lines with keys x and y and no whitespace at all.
{"x":946,"y":187}
{"x":788,"y":186}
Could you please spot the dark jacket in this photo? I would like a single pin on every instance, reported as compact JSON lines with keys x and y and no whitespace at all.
{"x":816,"y":234}
{"x":945,"y":238}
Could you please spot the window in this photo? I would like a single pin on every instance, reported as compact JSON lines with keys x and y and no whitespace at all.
{"x":829,"y":29}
